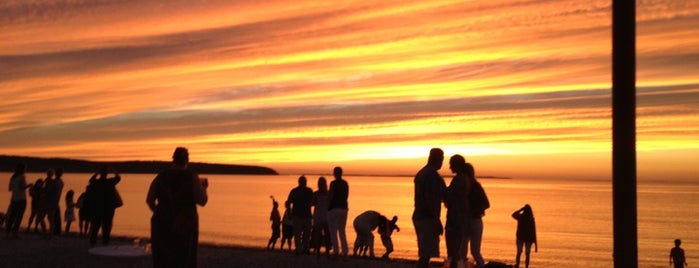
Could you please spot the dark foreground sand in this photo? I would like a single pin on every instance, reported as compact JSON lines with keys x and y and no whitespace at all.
{"x":30,"y":250}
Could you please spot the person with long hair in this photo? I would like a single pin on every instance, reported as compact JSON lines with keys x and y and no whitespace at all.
{"x":320,"y":235}
{"x":526,"y":233}
{"x":456,"y":227}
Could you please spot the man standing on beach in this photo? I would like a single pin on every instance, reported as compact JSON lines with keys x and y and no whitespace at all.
{"x":300,"y":199}
{"x":430,"y":191}
{"x":337,"y":212}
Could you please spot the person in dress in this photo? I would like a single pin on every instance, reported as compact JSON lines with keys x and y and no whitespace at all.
{"x":526,"y":233}
{"x":173,"y":197}
{"x":69,"y":216}
{"x":320,"y":236}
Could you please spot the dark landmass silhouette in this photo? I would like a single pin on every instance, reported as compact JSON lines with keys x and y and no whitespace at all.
{"x":36,"y":164}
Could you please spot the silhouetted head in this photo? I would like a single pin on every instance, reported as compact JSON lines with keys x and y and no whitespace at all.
{"x":337,"y":172}
{"x":436,"y":158}
{"x":180,"y":157}
{"x":457,"y":164}
{"x":39,"y":182}
{"x":59,"y":172}
{"x":678,"y":242}
{"x":322,"y":184}
{"x":527,"y":211}
{"x":275,"y":204}
{"x":302,"y":180}
{"x":70,"y":194}
{"x":103,"y":171}
{"x":49,"y":173}
{"x":21,"y":168}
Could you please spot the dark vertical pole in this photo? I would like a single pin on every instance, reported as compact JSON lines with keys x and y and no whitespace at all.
{"x":624,"y":133}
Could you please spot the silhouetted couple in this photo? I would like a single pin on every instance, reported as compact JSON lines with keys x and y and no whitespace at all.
{"x":466,"y":203}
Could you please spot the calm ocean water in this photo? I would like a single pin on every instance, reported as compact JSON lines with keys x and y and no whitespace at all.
{"x":574,"y":217}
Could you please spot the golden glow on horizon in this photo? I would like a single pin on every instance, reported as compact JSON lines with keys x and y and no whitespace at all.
{"x":294,"y":85}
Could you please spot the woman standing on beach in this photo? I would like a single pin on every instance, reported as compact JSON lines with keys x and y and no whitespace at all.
{"x":173,"y":197}
{"x":456,"y":202}
{"x":526,"y":233}
{"x":18,"y":201}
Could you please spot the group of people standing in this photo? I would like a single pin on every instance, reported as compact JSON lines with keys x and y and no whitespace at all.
{"x":45,"y":198}
{"x":325,"y":224}
{"x":96,"y":206}
{"x":322,"y":227}
{"x":466,"y":203}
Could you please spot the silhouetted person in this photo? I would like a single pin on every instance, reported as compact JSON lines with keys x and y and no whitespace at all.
{"x":173,"y":197}
{"x":429,"y":194}
{"x":52,"y":196}
{"x":18,"y":200}
{"x":386,"y":230}
{"x":320,"y":235}
{"x":677,"y":255}
{"x":364,"y":224}
{"x":478,"y":203}
{"x":58,"y":181}
{"x":337,"y":212}
{"x":287,"y":226}
{"x":526,"y":233}
{"x":300,"y":199}
{"x":276,"y":219}
{"x":69,"y":216}
{"x":35,"y":193}
{"x":46,"y":203}
{"x":458,"y":217}
{"x":102,"y":196}
{"x":83,"y":213}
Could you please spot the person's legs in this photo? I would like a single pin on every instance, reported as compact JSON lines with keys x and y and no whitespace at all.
{"x":333,"y":232}
{"x":341,"y":225}
{"x":527,"y":251}
{"x":107,"y":226}
{"x":95,"y":227}
{"x":476,"y":236}
{"x":298,"y":229}
{"x":306,"y":235}
{"x":520,"y":244}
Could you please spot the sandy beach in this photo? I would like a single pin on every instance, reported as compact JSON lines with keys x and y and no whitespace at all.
{"x":31,"y":250}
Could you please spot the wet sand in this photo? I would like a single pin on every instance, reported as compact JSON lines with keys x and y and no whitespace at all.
{"x":31,"y":250}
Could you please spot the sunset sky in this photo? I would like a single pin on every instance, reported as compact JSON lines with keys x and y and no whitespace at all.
{"x":520,"y":88}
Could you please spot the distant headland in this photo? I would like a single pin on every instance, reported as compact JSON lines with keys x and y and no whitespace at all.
{"x":35,"y":164}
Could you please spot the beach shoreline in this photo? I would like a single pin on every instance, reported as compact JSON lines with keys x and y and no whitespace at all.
{"x":33,"y":250}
